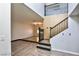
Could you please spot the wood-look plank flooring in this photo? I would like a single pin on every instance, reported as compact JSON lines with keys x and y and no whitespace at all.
{"x":23,"y":48}
{"x":34,"y":38}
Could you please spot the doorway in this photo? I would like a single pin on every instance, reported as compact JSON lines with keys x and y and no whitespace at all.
{"x":37,"y":30}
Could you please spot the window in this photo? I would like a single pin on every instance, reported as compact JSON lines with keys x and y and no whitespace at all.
{"x":57,"y":8}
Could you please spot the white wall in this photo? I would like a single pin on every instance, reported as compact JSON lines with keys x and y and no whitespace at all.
{"x":5,"y":30}
{"x":71,"y":7}
{"x":21,"y":30}
{"x":37,"y":7}
{"x":68,"y":42}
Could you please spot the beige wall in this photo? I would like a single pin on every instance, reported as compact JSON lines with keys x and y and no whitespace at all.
{"x":21,"y":20}
{"x":50,"y":21}
{"x":21,"y":30}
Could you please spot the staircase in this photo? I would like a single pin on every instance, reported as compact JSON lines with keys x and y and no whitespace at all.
{"x":59,"y":27}
{"x":54,"y":31}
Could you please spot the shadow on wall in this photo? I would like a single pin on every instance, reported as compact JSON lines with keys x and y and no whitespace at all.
{"x":75,"y":18}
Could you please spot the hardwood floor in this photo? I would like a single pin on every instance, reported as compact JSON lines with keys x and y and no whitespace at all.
{"x":34,"y":38}
{"x":23,"y":48}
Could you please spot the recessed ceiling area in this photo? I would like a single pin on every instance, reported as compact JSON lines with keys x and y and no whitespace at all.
{"x":20,"y":12}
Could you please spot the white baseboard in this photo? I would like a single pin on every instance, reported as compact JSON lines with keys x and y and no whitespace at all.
{"x":65,"y":51}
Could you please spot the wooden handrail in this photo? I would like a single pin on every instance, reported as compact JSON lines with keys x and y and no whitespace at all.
{"x":59,"y":23}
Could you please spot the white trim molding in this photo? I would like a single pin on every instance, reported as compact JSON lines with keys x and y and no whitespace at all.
{"x":65,"y":51}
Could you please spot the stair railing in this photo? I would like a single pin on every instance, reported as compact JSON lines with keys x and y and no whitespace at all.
{"x":61,"y":26}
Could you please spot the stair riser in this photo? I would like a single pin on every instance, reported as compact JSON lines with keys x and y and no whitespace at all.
{"x":44,"y":48}
{"x":44,"y":44}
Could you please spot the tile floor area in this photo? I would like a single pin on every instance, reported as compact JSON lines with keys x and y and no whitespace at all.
{"x":23,"y":48}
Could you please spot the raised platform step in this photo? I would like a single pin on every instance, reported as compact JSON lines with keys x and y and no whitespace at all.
{"x":48,"y":49}
{"x":45,"y":47}
{"x":44,"y":44}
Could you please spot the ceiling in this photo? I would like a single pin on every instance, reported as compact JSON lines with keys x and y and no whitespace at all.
{"x":49,"y":3}
{"x":76,"y":11}
{"x":20,"y":12}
